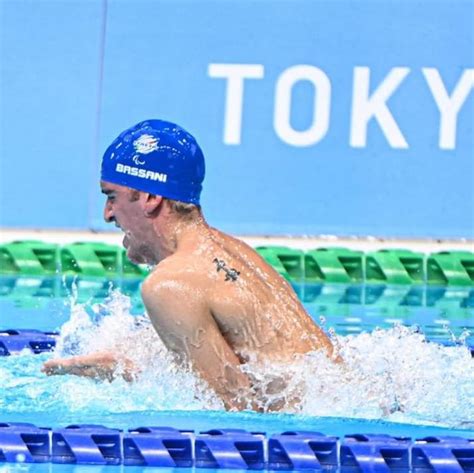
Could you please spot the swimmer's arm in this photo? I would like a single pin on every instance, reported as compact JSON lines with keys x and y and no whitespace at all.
{"x":180,"y":315}
{"x":99,"y":365}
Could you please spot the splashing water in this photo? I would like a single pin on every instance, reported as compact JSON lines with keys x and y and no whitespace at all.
{"x":111,"y":327}
{"x":393,"y":374}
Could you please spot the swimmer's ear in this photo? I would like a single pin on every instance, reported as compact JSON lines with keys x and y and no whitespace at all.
{"x":152,"y":204}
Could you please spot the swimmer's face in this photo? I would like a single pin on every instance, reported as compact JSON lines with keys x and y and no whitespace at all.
{"x":124,"y":207}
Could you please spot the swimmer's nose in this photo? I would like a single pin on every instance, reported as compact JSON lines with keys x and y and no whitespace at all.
{"x":108,"y":213}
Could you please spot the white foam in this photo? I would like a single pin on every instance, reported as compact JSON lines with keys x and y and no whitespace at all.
{"x":393,"y":374}
{"x":161,"y":384}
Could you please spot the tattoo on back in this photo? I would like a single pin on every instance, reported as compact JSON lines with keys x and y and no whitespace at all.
{"x":231,"y":274}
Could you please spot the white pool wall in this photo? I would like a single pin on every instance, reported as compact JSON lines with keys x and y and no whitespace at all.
{"x":308,"y":242}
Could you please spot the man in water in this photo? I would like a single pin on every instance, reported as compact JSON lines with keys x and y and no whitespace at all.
{"x":212,"y":299}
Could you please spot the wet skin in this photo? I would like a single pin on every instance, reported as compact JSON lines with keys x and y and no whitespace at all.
{"x":212,"y":299}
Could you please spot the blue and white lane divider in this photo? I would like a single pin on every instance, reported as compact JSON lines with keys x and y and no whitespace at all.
{"x":13,"y":342}
{"x":233,"y":449}
{"x":16,"y":341}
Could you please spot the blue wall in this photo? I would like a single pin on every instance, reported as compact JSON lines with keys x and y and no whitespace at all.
{"x":315,"y":116}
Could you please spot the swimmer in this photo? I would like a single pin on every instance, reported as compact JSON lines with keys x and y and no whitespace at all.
{"x":214,"y":302}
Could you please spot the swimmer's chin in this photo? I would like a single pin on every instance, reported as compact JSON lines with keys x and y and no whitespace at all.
{"x":139,"y":258}
{"x":134,"y":257}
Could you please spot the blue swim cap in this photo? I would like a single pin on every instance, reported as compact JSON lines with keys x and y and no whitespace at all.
{"x":157,"y":157}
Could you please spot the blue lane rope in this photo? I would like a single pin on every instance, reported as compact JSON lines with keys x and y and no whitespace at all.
{"x":219,"y":448}
{"x":13,"y":342}
{"x":233,"y":449}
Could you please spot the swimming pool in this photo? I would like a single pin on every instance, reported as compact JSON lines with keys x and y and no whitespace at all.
{"x":369,"y":322}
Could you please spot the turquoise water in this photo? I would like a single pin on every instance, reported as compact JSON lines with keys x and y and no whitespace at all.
{"x":444,"y":314}
{"x":383,"y":332}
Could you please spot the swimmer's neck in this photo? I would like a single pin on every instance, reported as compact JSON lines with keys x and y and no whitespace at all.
{"x":180,"y":234}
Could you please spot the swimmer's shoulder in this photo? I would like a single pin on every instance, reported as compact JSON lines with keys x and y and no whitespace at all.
{"x":174,"y":299}
{"x":172,"y":277}
{"x":246,"y":259}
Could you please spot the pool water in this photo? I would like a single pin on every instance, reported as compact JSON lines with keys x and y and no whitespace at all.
{"x":444,"y":313}
{"x":384,"y":333}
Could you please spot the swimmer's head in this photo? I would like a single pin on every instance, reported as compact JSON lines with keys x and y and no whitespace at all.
{"x":157,"y":157}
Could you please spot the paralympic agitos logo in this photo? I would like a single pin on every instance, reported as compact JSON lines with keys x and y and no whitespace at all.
{"x":145,"y":144}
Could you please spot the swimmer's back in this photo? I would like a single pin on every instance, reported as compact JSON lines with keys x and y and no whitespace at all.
{"x":256,"y":310}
